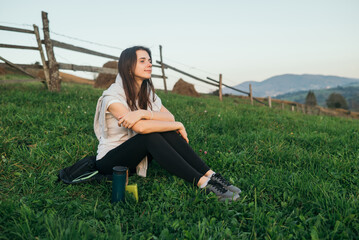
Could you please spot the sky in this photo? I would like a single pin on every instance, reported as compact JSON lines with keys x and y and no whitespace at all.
{"x":243,"y":40}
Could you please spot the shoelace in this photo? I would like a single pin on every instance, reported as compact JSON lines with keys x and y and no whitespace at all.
{"x":224,"y":181}
{"x":218,"y":186}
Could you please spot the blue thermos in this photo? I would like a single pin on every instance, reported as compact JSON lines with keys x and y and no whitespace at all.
{"x":119,"y":184}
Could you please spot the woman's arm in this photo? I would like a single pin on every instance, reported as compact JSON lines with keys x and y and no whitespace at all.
{"x":162,"y":115}
{"x":150,"y":126}
{"x":128,"y":119}
{"x":166,"y":114}
{"x":162,"y":121}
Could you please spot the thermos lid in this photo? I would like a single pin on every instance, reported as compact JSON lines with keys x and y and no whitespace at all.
{"x":119,"y":170}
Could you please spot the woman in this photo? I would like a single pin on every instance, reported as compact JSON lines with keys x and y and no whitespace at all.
{"x":132,"y":125}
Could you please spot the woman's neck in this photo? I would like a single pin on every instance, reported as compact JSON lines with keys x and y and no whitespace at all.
{"x":138,"y":84}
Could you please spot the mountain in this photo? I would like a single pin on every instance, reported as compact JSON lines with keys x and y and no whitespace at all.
{"x":287,"y":83}
{"x":350,"y":93}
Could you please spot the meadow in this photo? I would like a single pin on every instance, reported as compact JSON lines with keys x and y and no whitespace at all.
{"x":299,"y":174}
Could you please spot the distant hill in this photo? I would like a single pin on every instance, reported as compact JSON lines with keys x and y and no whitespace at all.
{"x":350,"y":93}
{"x":287,"y":83}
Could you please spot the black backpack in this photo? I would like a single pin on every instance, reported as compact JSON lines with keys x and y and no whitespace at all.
{"x":82,"y":171}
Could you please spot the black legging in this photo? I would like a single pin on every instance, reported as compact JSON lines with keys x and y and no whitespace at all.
{"x":169,"y":149}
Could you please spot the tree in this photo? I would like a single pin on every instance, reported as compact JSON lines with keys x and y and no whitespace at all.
{"x":311,"y":100}
{"x":336,"y":100}
{"x":215,"y":93}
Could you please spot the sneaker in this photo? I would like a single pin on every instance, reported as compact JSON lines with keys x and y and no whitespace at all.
{"x":220,"y":191}
{"x":227,"y":185}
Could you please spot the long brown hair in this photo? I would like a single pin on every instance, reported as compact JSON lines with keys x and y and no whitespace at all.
{"x":126,"y":68}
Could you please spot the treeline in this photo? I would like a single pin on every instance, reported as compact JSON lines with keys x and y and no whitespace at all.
{"x":349,"y":94}
{"x":335,"y":100}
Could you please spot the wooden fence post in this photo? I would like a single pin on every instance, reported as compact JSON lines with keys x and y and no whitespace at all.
{"x":292,"y":108}
{"x":282,"y":106}
{"x":269,"y":101}
{"x":220,"y":87}
{"x":55,"y":80}
{"x":44,"y":64}
{"x":250,"y":93}
{"x":163,"y":70}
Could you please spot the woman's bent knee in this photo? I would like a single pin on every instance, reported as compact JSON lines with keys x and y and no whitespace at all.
{"x":151,"y":136}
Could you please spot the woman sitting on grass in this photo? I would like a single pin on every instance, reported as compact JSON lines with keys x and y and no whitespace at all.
{"x":133,"y":126}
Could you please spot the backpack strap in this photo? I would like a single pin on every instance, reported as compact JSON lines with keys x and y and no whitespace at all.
{"x":83,"y":170}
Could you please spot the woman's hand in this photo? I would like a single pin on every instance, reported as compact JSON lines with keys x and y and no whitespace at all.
{"x":131,"y":118}
{"x":183,"y":133}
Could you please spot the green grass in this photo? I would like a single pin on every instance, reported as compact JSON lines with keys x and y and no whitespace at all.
{"x":13,"y":76}
{"x":299,"y":173}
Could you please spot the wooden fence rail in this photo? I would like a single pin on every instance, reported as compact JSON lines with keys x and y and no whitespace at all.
{"x":16,"y":29}
{"x":207,"y":82}
{"x":81,"y":49}
{"x":17,"y":67}
{"x":235,"y":89}
{"x":187,"y":74}
{"x":18,"y":47}
{"x":68,"y":66}
{"x":33,"y":66}
{"x":259,"y":101}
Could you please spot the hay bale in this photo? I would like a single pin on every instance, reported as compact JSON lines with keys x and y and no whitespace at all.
{"x":104,"y":80}
{"x":185,"y":88}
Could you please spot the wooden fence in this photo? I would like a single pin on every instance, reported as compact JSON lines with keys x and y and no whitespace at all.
{"x":51,"y":66}
{"x":38,"y":48}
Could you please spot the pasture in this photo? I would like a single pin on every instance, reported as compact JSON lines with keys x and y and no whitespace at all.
{"x":299,"y":174}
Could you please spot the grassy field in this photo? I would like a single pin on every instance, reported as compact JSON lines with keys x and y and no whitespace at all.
{"x":299,"y":173}
{"x":13,"y":76}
